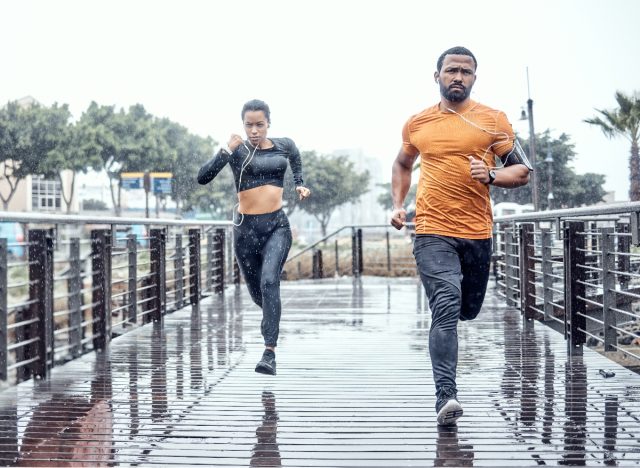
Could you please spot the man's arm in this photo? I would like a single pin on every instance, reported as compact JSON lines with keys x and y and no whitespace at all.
{"x":400,"y":184}
{"x":512,"y":176}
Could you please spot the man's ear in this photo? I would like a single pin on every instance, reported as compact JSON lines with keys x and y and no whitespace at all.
{"x":436,"y":76}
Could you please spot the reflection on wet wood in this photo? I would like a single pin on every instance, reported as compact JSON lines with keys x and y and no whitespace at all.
{"x":354,"y":388}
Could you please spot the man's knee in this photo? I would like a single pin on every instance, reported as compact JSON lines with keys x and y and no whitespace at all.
{"x":469,"y":313}
{"x":444,"y":303}
{"x":472,"y":304}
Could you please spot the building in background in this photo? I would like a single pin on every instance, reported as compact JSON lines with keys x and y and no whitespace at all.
{"x":35,"y":193}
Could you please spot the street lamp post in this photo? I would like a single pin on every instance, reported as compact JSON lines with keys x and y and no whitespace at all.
{"x":532,"y":146}
{"x":549,"y":161}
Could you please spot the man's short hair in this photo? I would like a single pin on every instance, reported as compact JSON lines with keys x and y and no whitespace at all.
{"x":456,"y":51}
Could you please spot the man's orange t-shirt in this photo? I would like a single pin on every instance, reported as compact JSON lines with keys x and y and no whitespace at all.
{"x":448,"y":201}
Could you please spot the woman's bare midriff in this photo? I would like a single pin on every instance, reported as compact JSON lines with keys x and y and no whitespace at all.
{"x":260,"y":200}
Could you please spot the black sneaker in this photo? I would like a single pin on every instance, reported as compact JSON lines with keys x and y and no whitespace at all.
{"x":448,"y":408}
{"x":267,"y":364}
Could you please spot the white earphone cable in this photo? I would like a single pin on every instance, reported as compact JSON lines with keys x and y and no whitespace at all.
{"x":473,"y":124}
{"x":245,"y":163}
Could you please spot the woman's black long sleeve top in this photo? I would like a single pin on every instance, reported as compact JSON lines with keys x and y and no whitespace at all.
{"x":267,"y":167}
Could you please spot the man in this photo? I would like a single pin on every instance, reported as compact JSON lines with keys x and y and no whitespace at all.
{"x":458,"y":141}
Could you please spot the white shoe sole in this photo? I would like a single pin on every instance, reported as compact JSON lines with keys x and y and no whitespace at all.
{"x":449,"y":413}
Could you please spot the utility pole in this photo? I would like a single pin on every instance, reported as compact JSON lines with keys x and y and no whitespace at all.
{"x":532,"y":148}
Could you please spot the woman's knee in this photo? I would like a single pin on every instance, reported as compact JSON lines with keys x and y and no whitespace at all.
{"x":256,"y":296}
{"x":269,"y":283}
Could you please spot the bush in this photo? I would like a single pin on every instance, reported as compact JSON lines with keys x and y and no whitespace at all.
{"x":94,"y":205}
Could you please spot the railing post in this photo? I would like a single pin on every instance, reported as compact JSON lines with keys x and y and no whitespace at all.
{"x":194,"y":266}
{"x":527,"y":274}
{"x":495,"y":255}
{"x":229,"y":256}
{"x":337,"y":259}
{"x":624,"y":260}
{"x":178,"y":264}
{"x":74,"y":287}
{"x":4,"y":340}
{"x":354,"y":253}
{"x":509,"y":282}
{"x":634,"y":226}
{"x":547,"y":271}
{"x":608,"y":288}
{"x":388,"y":251}
{"x":317,"y":268}
{"x":218,"y":261}
{"x":236,"y":271}
{"x":575,"y":276}
{"x":502,"y":268}
{"x":101,"y":296}
{"x":314,"y":264}
{"x":41,"y":299}
{"x":132,"y":250}
{"x":209,"y":265}
{"x":159,"y":272}
{"x":360,"y":255}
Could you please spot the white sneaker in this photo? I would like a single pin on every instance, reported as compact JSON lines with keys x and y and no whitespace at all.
{"x":449,"y":413}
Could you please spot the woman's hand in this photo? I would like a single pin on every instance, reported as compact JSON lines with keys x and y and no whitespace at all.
{"x":303,"y":192}
{"x":234,"y":142}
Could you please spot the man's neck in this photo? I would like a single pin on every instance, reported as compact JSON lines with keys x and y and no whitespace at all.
{"x":455,"y":106}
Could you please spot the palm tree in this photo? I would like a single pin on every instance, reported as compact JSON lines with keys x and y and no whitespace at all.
{"x":624,"y":121}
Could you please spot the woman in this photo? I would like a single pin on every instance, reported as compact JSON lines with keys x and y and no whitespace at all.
{"x":262,"y":236}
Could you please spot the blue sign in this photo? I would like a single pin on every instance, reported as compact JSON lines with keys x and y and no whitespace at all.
{"x":132,"y":180}
{"x":161,"y":183}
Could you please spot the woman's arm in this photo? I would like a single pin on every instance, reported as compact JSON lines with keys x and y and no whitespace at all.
{"x":296,"y":168}
{"x":211,"y":169}
{"x":296,"y":164}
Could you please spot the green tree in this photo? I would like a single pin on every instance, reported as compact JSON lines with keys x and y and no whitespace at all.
{"x":569,"y":189}
{"x":624,"y":121}
{"x":333,"y":182}
{"x":190,"y":153}
{"x":76,"y":152}
{"x":217,"y":198}
{"x":105,"y":136}
{"x":31,"y":137}
{"x":129,"y":141}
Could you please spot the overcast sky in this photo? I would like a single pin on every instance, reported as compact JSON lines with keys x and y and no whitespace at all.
{"x":336,"y":74}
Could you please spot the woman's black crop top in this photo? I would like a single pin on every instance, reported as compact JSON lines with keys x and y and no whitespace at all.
{"x":266,"y":168}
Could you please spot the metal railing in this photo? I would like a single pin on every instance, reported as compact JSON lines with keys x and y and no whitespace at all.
{"x":80,"y":281}
{"x":576,"y":270}
{"x":374,"y":249}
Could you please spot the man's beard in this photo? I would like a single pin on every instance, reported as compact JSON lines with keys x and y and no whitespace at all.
{"x":456,"y":94}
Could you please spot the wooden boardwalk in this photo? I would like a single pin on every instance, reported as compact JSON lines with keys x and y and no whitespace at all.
{"x":354,"y":388}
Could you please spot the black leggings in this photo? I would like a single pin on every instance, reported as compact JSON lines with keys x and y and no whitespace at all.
{"x":262,"y":243}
